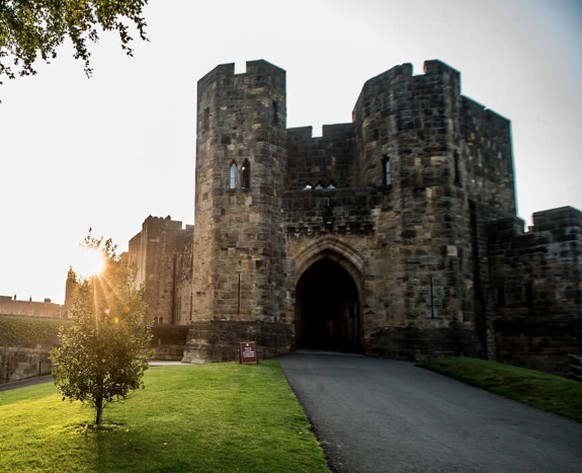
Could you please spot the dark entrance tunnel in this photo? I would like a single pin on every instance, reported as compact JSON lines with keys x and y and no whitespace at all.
{"x":327,"y":309}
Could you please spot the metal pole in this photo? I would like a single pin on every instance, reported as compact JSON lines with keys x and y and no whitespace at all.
{"x":431,"y":300}
{"x":238,"y":308}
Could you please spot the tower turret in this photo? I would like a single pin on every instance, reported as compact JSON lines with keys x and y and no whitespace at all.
{"x":238,"y":244}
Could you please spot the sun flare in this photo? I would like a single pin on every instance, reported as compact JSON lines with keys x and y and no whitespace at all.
{"x":90,"y":262}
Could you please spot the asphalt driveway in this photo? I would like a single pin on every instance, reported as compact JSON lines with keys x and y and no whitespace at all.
{"x":376,"y":415}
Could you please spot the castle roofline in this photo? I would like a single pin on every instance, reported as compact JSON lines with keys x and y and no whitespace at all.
{"x":228,"y":70}
{"x":430,"y":67}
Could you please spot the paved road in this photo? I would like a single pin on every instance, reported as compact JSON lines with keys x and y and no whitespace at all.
{"x":26,"y":382}
{"x":376,"y":415}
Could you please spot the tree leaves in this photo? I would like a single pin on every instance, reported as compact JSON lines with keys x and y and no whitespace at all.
{"x":34,"y":29}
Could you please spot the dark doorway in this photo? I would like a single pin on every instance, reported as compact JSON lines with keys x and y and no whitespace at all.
{"x":327,"y":308}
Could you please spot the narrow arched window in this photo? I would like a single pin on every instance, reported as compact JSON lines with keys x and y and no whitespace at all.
{"x":233,"y":183}
{"x":387,"y":168}
{"x":246,"y":175}
{"x":206,"y":119}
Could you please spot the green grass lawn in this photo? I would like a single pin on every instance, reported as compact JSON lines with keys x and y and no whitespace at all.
{"x":538,"y":389}
{"x":194,"y":418}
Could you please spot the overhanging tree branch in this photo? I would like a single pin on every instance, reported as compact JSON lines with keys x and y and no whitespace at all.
{"x":34,"y":29}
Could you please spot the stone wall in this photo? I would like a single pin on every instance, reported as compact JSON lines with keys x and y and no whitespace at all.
{"x":481,"y":218}
{"x":22,"y":362}
{"x":183,"y":277}
{"x":169,"y":341}
{"x":218,"y":340}
{"x":12,"y":306}
{"x":343,"y":211}
{"x":539,"y":273}
{"x":537,"y":288}
{"x":416,"y":343}
{"x":320,"y":162}
{"x":485,"y":157}
{"x":539,"y":344}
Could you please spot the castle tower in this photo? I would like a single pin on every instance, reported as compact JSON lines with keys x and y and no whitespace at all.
{"x":162,"y":257}
{"x":407,"y":139}
{"x":239,"y":270}
{"x":435,"y":156}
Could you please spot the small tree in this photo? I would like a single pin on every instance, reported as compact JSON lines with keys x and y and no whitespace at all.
{"x":104,"y":353}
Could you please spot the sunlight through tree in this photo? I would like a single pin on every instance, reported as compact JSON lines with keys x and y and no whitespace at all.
{"x":104,"y":353}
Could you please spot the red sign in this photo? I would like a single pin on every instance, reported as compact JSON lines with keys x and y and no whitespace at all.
{"x":248,"y":352}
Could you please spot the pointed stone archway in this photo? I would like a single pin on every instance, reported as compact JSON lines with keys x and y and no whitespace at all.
{"x":327,"y":297}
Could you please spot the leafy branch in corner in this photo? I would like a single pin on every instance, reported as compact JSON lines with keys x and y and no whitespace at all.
{"x":34,"y":29}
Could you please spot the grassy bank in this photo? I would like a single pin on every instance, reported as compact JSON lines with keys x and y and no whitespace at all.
{"x":209,"y":418}
{"x":29,"y":331}
{"x":541,"y":390}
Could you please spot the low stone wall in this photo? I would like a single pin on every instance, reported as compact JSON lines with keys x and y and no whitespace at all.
{"x":19,"y":363}
{"x":218,"y":340}
{"x":542,"y":345}
{"x":419,"y":343}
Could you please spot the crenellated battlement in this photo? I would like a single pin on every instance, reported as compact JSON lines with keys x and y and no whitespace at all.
{"x":258,"y":69}
{"x":397,"y":74}
{"x":161,"y":222}
{"x":328,"y":132}
{"x":400,"y":79}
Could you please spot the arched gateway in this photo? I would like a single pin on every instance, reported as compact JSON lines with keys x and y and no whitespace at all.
{"x":327,"y":298}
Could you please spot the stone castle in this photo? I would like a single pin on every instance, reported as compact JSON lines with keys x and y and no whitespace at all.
{"x":395,"y":234}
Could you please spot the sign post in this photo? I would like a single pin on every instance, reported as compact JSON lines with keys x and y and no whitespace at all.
{"x":248,"y":353}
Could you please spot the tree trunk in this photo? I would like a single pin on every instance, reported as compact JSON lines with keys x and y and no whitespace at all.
{"x":98,"y":411}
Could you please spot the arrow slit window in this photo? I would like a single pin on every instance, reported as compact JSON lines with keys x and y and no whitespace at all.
{"x":387,"y":169}
{"x":246,"y":175}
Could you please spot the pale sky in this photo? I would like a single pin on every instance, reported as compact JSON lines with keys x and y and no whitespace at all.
{"x":106,"y":152}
